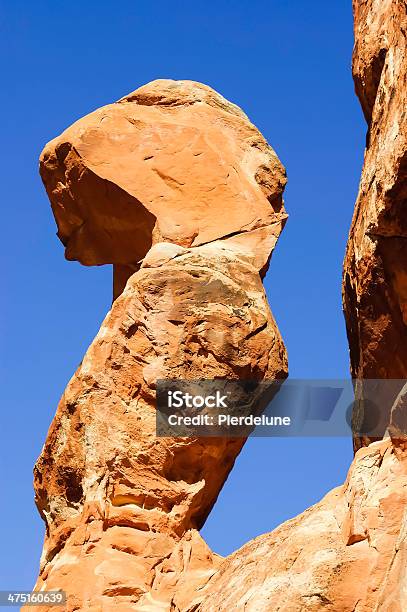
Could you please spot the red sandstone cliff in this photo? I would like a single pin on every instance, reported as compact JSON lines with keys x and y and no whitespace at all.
{"x":375,"y":267}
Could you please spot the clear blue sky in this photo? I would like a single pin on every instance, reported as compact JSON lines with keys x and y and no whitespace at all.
{"x":288,"y":65}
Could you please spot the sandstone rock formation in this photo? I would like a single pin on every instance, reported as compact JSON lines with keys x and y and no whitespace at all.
{"x":348,"y":553}
{"x":175,"y":186}
{"x":171,"y":162}
{"x":375,"y":267}
{"x":190,"y":241}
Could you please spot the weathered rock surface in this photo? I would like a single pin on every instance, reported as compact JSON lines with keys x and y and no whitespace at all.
{"x":128,"y":186}
{"x":171,"y":162}
{"x":375,"y":267}
{"x":348,"y":553}
{"x":123,"y":507}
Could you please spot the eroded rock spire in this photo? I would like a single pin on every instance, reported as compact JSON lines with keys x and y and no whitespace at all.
{"x":176,"y":188}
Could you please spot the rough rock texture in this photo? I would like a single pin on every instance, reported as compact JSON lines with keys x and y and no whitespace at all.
{"x":123,"y":507}
{"x":196,"y":211}
{"x":171,"y":162}
{"x":348,"y":553}
{"x":375,"y":267}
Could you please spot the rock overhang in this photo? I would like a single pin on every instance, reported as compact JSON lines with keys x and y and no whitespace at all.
{"x":171,"y":162}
